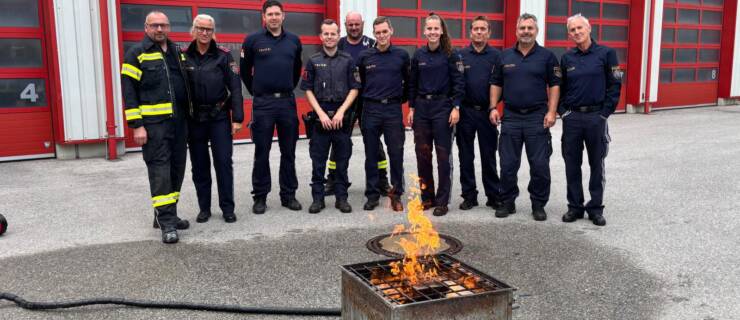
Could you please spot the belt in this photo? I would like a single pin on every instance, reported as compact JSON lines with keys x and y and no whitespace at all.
{"x":476,"y":107}
{"x":523,"y":110}
{"x":432,"y":96}
{"x":385,"y":100}
{"x":586,"y":108}
{"x":277,"y":95}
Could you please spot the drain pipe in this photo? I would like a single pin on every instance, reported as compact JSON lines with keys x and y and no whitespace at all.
{"x":650,"y":56}
{"x":110,"y":122}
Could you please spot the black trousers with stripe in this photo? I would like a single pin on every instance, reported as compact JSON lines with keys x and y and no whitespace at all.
{"x":165,"y":154}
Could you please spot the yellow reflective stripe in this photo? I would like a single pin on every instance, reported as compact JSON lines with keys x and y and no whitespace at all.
{"x":156,"y":109}
{"x":131,"y":71}
{"x":133,"y":114}
{"x":182,"y":57}
{"x":164,"y":200}
{"x":177,"y":195}
{"x":332,"y":165}
{"x":383,"y":164}
{"x":150,"y":56}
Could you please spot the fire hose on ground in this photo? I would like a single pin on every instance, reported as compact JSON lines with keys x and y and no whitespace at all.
{"x":33,"y":305}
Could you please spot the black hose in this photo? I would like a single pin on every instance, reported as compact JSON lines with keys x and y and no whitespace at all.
{"x":31,"y":305}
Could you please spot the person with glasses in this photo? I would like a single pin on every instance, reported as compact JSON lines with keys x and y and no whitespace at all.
{"x":157,"y":101}
{"x":218,"y":114}
{"x":271,"y":68}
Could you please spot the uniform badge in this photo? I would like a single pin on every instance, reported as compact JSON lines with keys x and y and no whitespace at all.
{"x":558,"y":73}
{"x":304,"y":75}
{"x":571,"y":68}
{"x":234,"y":67}
{"x":460,"y":66}
{"x":356,"y":73}
{"x":617,"y":73}
{"x":241,"y":54}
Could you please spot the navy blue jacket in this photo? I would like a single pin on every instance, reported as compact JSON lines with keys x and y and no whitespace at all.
{"x":214,"y":81}
{"x":385,"y":75}
{"x":435,"y":73}
{"x":525,"y":79}
{"x":478,"y":67}
{"x":590,"y":78}
{"x":330,"y":78}
{"x":276,"y":62}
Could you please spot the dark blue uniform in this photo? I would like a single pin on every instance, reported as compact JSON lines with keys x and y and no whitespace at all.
{"x":217,"y":101}
{"x":270,"y":69}
{"x":589,"y":94}
{"x":436,"y":85}
{"x":385,"y":78}
{"x":525,"y":80}
{"x":474,"y":118}
{"x":330,"y":78}
{"x":354,"y":50}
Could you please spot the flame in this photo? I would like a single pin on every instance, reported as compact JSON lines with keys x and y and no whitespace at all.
{"x":419,"y":246}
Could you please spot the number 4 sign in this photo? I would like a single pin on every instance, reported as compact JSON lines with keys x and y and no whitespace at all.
{"x":29,"y":93}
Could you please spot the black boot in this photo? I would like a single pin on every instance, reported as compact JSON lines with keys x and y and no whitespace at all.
{"x":538,"y":213}
{"x":291,"y":203}
{"x":343,"y":206}
{"x":259,"y":206}
{"x":182,"y":224}
{"x":505,"y":210}
{"x":316,"y":206}
{"x":572,"y":215}
{"x":468,"y":204}
{"x":170,"y":237}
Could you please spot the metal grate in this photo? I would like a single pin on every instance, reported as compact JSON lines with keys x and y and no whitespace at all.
{"x":454,"y":279}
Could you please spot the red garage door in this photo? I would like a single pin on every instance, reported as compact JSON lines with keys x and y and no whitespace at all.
{"x":609,"y":26}
{"x":689,"y":52}
{"x":25,"y":114}
{"x":407,"y":18}
{"x":234,"y":19}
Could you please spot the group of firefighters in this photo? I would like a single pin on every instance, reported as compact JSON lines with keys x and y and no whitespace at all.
{"x":187,"y":98}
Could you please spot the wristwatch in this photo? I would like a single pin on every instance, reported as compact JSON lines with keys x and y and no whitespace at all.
{"x":457,"y":107}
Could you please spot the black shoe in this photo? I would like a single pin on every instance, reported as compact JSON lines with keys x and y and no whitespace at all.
{"x":291,"y":204}
{"x":493,"y":204}
{"x":572,"y":215}
{"x":505,"y":210}
{"x":469,"y":204}
{"x":538,"y":213}
{"x":426,"y":205}
{"x":259,"y":206}
{"x":396,"y":204}
{"x":343,"y":206}
{"x":440,"y":211}
{"x":598,"y":219}
{"x":170,"y":237}
{"x":229,"y":217}
{"x":181,"y":225}
{"x":316,"y":206}
{"x":370,"y":204}
{"x":203,"y":216}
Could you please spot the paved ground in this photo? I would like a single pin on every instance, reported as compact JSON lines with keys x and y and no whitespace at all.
{"x":82,"y":228}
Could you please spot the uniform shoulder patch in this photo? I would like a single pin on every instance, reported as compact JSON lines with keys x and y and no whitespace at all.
{"x":460,"y":66}
{"x":356,"y":74}
{"x":617,"y":73}
{"x":234,"y":67}
{"x":556,"y":70}
{"x":224,"y":49}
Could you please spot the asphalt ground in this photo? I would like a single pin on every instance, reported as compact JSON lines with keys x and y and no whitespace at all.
{"x":82,"y":228}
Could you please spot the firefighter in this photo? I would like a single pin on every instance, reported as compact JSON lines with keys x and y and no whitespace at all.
{"x":218,"y":114}
{"x":479,"y":59}
{"x":384,"y":71}
{"x":590,"y":92}
{"x":354,"y":43}
{"x":436,"y":89}
{"x":529,"y":76}
{"x":270,"y":68}
{"x":331,"y":82}
{"x":157,"y":101}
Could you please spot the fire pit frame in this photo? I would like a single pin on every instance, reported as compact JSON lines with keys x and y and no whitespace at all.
{"x":374,"y":245}
{"x":360,"y":300}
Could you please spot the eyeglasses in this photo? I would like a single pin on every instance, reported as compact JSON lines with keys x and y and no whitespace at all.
{"x":204,"y":30}
{"x":155,"y":26}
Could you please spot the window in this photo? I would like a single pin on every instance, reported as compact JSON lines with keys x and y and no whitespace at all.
{"x":19,"y":13}
{"x":133,"y":17}
{"x":20,"y":53}
{"x":20,"y":93}
{"x":234,"y":20}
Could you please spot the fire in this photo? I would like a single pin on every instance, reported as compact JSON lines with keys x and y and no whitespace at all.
{"x":417,"y":265}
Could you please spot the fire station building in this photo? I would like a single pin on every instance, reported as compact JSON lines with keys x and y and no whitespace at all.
{"x":60,"y":59}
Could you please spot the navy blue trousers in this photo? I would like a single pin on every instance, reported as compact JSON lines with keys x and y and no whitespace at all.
{"x":471,"y":122}
{"x":432,"y":131}
{"x":526,"y":130}
{"x":385,"y":119}
{"x":591,"y":130}
{"x":218,"y":133}
{"x":165,"y":155}
{"x":341,"y":147}
{"x":265,"y":119}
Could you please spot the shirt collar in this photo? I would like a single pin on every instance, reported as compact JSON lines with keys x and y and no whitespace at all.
{"x":590,"y":49}
{"x":269,"y":34}
{"x":484,"y":51}
{"x":193,"y":47}
{"x":533,"y":51}
{"x":147,"y":43}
